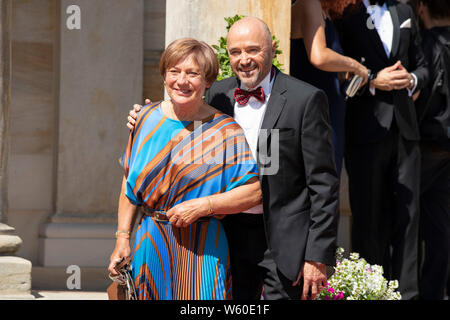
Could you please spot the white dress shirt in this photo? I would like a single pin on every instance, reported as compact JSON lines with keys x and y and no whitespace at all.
{"x":382,"y":21}
{"x":250,"y":118}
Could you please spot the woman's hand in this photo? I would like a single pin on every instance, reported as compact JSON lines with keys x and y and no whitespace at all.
{"x":121,"y":251}
{"x":361,"y":71}
{"x":187,"y":212}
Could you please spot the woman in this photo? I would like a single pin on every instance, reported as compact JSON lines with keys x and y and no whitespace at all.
{"x":316,"y":57}
{"x":185,"y":163}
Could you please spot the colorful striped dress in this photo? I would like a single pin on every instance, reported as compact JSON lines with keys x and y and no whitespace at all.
{"x":167,"y":162}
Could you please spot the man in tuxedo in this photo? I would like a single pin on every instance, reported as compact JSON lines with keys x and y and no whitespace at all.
{"x":382,"y":151}
{"x":286,"y":124}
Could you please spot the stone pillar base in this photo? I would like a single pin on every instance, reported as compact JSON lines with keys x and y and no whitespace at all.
{"x":15,"y":278}
{"x":15,"y":272}
{"x":78,"y":243}
{"x":85,"y":246}
{"x":69,"y":242}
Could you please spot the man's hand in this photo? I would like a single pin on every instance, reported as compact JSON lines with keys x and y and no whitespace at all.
{"x":395,"y":77}
{"x":133,"y":114}
{"x":314,"y":276}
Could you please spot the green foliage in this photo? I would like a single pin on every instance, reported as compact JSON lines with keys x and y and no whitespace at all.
{"x":222,"y":53}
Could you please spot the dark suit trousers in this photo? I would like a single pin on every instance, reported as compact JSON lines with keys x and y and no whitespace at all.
{"x":435,"y":221}
{"x":252,"y":265}
{"x":384,"y":180}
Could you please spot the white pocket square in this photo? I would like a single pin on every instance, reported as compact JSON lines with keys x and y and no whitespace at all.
{"x":406,"y":24}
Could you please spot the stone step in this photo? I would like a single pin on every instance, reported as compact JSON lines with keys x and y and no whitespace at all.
{"x":68,"y":295}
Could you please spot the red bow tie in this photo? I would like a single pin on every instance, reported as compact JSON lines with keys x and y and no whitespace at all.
{"x":242,"y":96}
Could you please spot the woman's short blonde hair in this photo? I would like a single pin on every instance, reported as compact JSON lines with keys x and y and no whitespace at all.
{"x":201,"y":52}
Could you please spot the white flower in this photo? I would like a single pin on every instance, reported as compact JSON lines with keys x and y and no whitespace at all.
{"x":358,"y":280}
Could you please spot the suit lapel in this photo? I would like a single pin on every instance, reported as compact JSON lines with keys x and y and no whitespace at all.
{"x":396,"y":31}
{"x":276,"y":102}
{"x":230,"y":95}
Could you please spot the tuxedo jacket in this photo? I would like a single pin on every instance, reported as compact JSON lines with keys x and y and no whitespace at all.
{"x":300,"y":198}
{"x":369,"y":118}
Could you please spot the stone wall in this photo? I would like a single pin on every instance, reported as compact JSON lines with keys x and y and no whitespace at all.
{"x":154,"y":44}
{"x":33,"y":122}
{"x":101,"y":73}
{"x":204,"y":20}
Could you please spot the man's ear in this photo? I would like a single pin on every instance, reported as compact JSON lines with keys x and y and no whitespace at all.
{"x":274,"y":47}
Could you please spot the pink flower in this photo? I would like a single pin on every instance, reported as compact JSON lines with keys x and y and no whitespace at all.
{"x":326,"y":298}
{"x":330,"y":290}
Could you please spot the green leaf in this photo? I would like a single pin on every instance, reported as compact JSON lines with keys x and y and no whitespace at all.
{"x":222,"y":54}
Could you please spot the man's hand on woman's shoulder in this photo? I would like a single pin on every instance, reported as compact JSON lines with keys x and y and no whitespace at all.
{"x":133,"y":114}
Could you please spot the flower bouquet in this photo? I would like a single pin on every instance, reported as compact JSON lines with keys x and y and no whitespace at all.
{"x":355,"y":279}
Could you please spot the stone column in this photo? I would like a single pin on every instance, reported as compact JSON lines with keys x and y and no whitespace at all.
{"x":15,"y":272}
{"x":204,"y":20}
{"x":101,"y":76}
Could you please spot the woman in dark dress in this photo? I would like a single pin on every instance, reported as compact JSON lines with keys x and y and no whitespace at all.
{"x":316,"y":58}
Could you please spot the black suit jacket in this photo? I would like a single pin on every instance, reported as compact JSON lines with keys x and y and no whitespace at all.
{"x":369,"y":118}
{"x":300,"y":199}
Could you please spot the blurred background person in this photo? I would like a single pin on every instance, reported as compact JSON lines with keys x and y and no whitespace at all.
{"x":433,"y":107}
{"x":382,"y":151}
{"x":317,"y":57}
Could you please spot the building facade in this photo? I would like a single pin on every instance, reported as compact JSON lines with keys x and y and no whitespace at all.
{"x":71,"y":71}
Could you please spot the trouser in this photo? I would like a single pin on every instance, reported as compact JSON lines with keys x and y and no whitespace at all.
{"x":435,"y":222}
{"x":252,"y":266}
{"x":384,"y":180}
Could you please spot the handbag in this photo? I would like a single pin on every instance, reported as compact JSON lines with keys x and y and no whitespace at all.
{"x":122,"y":287}
{"x":353,"y":86}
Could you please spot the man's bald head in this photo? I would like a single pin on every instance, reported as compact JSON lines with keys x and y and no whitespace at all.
{"x":251,"y":50}
{"x":252,"y":25}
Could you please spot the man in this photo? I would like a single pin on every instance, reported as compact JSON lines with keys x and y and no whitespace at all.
{"x":382,"y":152}
{"x":434,"y":115}
{"x":295,"y":238}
